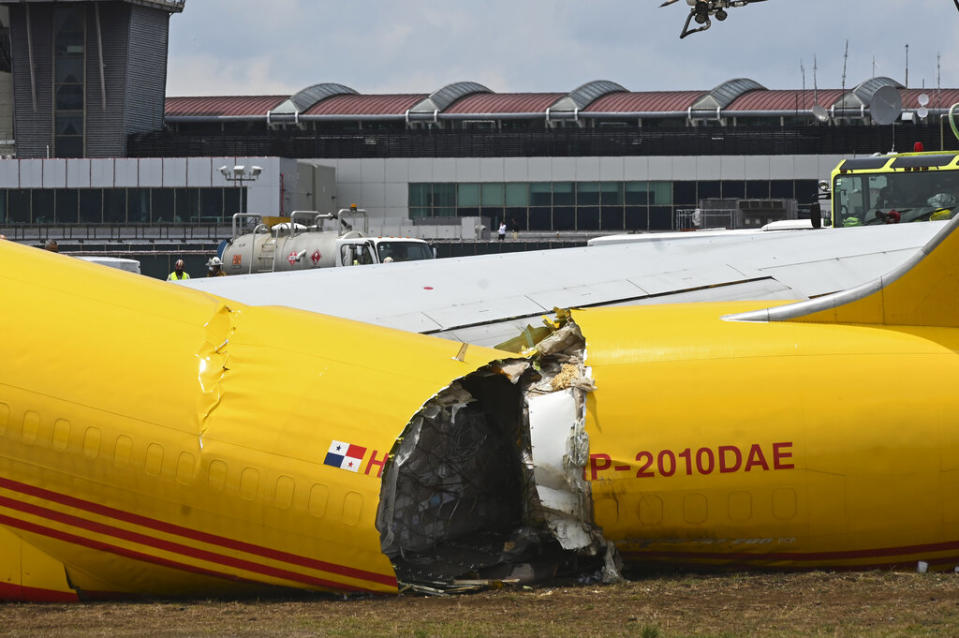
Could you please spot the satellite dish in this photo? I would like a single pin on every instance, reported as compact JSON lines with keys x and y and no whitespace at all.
{"x":821,"y":113}
{"x":922,"y":112}
{"x":923,"y":100}
{"x":886,"y":105}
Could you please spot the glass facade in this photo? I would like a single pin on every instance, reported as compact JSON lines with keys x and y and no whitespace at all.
{"x":69,"y":44}
{"x":120,"y":205}
{"x":589,"y":206}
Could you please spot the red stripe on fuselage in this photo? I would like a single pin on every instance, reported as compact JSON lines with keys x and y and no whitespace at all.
{"x":20,"y":593}
{"x":168,"y":546}
{"x":113,"y":549}
{"x":196,"y":535}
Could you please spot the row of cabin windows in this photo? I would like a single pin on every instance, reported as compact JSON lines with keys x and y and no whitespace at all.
{"x":89,"y":442}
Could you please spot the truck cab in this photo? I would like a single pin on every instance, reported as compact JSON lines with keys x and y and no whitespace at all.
{"x":381,"y":250}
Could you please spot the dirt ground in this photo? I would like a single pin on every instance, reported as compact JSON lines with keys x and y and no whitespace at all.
{"x":662,"y":606}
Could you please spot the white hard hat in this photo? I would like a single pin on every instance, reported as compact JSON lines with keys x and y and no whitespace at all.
{"x":214,"y":261}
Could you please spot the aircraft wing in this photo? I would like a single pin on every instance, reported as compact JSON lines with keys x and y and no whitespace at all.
{"x":484,"y":299}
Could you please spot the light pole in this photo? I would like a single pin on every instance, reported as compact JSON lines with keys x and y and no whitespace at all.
{"x":241,"y":175}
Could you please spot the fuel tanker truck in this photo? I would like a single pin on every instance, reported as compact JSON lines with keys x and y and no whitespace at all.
{"x":302,"y":246}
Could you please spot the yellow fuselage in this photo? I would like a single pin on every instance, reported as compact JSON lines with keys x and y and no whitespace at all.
{"x":158,"y":440}
{"x":788,"y":445}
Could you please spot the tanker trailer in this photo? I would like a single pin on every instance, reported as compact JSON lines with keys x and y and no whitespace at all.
{"x":296,"y":246}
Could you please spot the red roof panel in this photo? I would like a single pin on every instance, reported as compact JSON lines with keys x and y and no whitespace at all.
{"x":366,"y":104}
{"x":505,"y":103}
{"x":942,"y":99}
{"x":790,"y":100}
{"x":223,"y":106}
{"x":659,"y":101}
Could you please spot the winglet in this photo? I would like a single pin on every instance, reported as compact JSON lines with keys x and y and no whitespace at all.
{"x":924,"y":291}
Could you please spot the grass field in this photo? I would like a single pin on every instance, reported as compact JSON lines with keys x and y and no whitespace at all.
{"x":763,"y":605}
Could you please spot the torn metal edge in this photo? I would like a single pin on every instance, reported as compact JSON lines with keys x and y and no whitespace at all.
{"x":554,"y":384}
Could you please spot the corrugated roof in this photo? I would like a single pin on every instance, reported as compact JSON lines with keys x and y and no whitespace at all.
{"x":367,"y":104}
{"x":252,"y":106}
{"x":222,"y":106}
{"x":942,"y":99}
{"x":784,"y":100}
{"x":505,"y":103}
{"x":655,"y":101}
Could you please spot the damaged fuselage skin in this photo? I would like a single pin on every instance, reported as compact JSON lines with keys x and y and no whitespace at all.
{"x":155,"y":440}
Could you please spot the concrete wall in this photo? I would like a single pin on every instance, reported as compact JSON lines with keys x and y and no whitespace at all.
{"x":381,"y":186}
{"x":263,"y":195}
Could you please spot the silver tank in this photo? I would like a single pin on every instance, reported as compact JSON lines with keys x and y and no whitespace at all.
{"x":285,"y":247}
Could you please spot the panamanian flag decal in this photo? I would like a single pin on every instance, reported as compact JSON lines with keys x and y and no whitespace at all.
{"x":345,"y":456}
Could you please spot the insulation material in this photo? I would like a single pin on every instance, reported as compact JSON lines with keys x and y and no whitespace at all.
{"x":553,"y":422}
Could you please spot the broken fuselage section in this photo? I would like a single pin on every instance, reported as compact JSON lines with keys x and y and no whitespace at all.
{"x":487,"y":482}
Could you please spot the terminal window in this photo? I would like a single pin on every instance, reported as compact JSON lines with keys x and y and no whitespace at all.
{"x":588,"y":206}
{"x":120,"y":205}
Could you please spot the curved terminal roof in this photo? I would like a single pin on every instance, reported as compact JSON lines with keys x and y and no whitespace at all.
{"x":310,"y":96}
{"x":598,"y":100}
{"x":580,"y":98}
{"x":726,"y":93}
{"x":442,"y":99}
{"x":862,"y":94}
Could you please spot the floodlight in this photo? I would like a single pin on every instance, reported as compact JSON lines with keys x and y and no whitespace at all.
{"x":225,"y":171}
{"x":255,"y":171}
{"x":238,"y":171}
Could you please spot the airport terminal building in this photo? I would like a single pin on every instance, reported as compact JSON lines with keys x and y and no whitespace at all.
{"x":97,"y":154}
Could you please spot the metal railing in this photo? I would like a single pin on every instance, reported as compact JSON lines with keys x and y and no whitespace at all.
{"x":113,"y":233}
{"x":686,"y":219}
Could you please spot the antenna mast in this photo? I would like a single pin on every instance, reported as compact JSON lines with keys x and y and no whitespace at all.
{"x":815,"y":83}
{"x":845,"y":59}
{"x":907,"y":66}
{"x":938,"y":78}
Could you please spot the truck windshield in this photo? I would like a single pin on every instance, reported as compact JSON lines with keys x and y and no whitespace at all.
{"x":866,"y":199}
{"x":403,"y":251}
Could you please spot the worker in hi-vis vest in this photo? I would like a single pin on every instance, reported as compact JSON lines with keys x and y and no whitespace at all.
{"x":178,"y":272}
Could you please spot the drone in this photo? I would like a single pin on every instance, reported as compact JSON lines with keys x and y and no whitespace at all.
{"x":701,"y":10}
